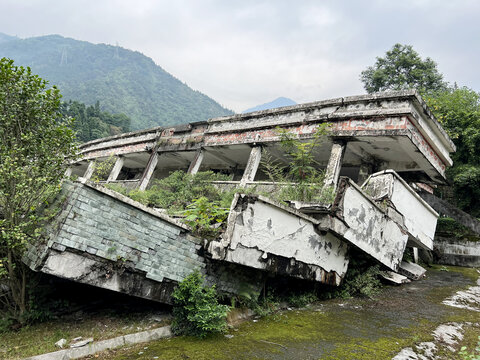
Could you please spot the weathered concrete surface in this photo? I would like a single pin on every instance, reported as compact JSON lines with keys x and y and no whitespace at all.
{"x":451,"y":251}
{"x":396,"y":129}
{"x":411,"y":270}
{"x":105,"y":239}
{"x":268,"y":236}
{"x":406,"y":205}
{"x":368,"y":226}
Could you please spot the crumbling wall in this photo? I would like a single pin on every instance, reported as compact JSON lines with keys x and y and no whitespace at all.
{"x":265,"y":235}
{"x":101,"y":239}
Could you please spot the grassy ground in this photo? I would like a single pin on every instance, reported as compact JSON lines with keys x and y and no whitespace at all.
{"x":100,"y":323}
{"x":335,"y":329}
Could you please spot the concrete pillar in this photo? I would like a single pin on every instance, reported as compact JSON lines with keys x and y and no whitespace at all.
{"x":335,"y":163}
{"x":252,"y":165}
{"x":90,"y":170}
{"x":68,"y":172}
{"x":149,"y":169}
{"x":116,"y":169}
{"x":366,"y":169}
{"x":415,"y":255}
{"x":196,"y":162}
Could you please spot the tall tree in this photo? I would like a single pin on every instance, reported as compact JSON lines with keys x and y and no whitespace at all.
{"x":36,"y":142}
{"x":402,"y":68}
{"x":458,"y":110}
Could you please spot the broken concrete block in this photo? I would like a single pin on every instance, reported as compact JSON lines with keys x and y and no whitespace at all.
{"x":411,"y":270}
{"x":81,"y":343}
{"x":61,"y":343}
{"x":394,"y":277}
{"x":419,"y":218}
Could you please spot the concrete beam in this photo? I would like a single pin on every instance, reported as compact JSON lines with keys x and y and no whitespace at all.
{"x":221,"y":157}
{"x":90,"y":170}
{"x":149,"y":169}
{"x":335,"y":163}
{"x":116,"y":169}
{"x":252,"y":165}
{"x":196,"y":162}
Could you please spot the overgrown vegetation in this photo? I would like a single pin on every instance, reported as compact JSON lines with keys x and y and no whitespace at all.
{"x":196,"y":309}
{"x":362,"y":279}
{"x":452,"y":229}
{"x":301,"y":179}
{"x":456,"y":108}
{"x":36,"y":142}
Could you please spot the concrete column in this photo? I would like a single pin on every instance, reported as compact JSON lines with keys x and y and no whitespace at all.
{"x":252,"y":165}
{"x":68,"y":172}
{"x":149,"y":169}
{"x":415,"y":255}
{"x":196,"y":162}
{"x":116,"y":169}
{"x":366,"y":169}
{"x":90,"y":170}
{"x":335,"y":163}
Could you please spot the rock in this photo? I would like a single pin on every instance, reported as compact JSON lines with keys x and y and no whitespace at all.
{"x":228,"y":336}
{"x":394,"y":277}
{"x":81,"y":343}
{"x":61,"y":343}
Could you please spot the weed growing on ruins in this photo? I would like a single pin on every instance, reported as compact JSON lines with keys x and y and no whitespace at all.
{"x":301,"y":179}
{"x":361,"y":279}
{"x":103,"y":169}
{"x":196,"y":309}
{"x":205,"y":217}
{"x":175,"y":192}
{"x":475,"y":355}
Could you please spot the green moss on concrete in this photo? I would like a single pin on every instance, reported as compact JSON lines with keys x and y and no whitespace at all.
{"x":337,"y":329}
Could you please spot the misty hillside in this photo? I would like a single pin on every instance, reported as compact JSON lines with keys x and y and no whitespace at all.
{"x":279,"y":102}
{"x":124,"y":81}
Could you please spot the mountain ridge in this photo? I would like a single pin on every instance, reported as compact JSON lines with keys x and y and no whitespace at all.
{"x":278,"y":102}
{"x":124,"y":81}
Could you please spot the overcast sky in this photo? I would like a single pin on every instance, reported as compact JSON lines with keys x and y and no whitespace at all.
{"x":244,"y":53}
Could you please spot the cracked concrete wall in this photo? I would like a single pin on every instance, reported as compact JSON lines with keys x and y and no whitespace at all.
{"x":414,"y":213}
{"x":268,"y":236}
{"x":105,"y":239}
{"x":368,"y":226}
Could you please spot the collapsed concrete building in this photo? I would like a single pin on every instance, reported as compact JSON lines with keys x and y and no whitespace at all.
{"x":379,"y":149}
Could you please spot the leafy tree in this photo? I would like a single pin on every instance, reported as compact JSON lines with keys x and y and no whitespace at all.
{"x":35,"y":142}
{"x":458,"y":110}
{"x":91,"y":123}
{"x":402,"y":68}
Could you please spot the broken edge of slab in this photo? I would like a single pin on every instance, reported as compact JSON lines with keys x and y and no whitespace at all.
{"x":92,"y":348}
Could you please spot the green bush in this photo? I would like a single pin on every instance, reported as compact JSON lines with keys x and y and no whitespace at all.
{"x":205,"y":217}
{"x":361,"y":279}
{"x":175,"y":192}
{"x":196,"y":309}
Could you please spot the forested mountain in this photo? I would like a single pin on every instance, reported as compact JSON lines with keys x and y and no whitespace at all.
{"x":92,"y":123}
{"x":279,"y":102}
{"x":124,"y":81}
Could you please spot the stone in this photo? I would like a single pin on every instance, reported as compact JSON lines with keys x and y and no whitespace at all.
{"x":61,"y":343}
{"x":81,"y":343}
